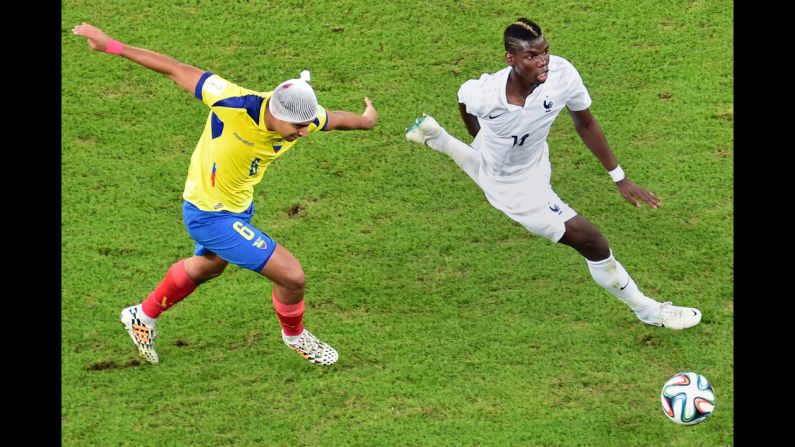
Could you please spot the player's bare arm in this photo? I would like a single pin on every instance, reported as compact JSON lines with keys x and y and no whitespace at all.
{"x":591,"y":134}
{"x":187,"y":76}
{"x":343,"y":120}
{"x":471,"y":121}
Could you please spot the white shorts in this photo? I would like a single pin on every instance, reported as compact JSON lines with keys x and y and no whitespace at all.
{"x":529,"y":200}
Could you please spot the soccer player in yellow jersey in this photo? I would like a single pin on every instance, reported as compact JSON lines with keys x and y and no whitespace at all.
{"x":244,"y":132}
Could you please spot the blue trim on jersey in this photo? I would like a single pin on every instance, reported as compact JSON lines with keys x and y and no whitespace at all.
{"x":216,"y":125}
{"x":326,"y":123}
{"x":252,"y":104}
{"x":200,"y":84}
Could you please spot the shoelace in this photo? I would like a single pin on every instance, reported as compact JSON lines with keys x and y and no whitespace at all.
{"x":309,"y":343}
{"x":142,"y":328}
{"x":667,"y":308}
{"x":137,"y":322}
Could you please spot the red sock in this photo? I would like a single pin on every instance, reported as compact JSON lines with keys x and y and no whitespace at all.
{"x":290,"y":316}
{"x":174,"y":287}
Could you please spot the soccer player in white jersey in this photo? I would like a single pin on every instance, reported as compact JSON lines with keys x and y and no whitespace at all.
{"x":244,"y":132}
{"x":509,"y":113}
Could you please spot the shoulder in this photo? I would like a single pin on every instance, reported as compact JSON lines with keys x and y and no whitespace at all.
{"x":212,"y":89}
{"x":559,"y":64}
{"x":563,"y":67}
{"x":565,"y":73}
{"x":321,"y":120}
{"x":487,"y":87}
{"x":213,"y":84}
{"x":569,"y":81}
{"x":489,"y":79}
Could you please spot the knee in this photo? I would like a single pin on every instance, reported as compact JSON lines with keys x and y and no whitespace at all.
{"x":213,"y":273}
{"x":201,"y":272}
{"x":588,"y":241}
{"x":294,"y":279}
{"x":597,"y":243}
{"x":595,"y":248}
{"x":207,"y":275}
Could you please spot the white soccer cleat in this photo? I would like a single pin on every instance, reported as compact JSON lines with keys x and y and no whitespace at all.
{"x":423,"y":129}
{"x":143,"y":335}
{"x":674,"y":317}
{"x":312,"y":349}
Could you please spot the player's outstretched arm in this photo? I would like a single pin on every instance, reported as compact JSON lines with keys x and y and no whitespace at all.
{"x":471,"y":121}
{"x":342,"y":120}
{"x":187,"y":76}
{"x":593,"y":137}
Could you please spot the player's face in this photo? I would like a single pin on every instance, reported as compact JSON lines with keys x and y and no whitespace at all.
{"x":291,"y":131}
{"x":531,"y":60}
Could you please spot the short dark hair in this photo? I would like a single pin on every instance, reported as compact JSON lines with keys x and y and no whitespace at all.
{"x":522,"y":29}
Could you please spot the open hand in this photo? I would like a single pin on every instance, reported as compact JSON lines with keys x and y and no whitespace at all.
{"x":370,"y":114}
{"x":96,"y":38}
{"x":633,"y":193}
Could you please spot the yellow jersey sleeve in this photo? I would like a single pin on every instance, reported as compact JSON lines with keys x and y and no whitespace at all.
{"x":320,"y":122}
{"x":212,"y":88}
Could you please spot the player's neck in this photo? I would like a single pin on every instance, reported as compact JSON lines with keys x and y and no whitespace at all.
{"x":517,"y":89}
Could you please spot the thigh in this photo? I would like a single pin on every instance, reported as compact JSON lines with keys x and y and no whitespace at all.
{"x":535,"y":206}
{"x":283,"y":267}
{"x":471,"y":165}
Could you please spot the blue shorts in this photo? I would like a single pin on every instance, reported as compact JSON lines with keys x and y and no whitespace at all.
{"x":228,"y":235}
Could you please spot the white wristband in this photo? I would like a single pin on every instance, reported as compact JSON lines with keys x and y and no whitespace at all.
{"x":617,"y":174}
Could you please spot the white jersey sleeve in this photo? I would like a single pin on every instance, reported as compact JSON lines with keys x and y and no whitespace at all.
{"x":476,"y":95}
{"x":579,"y":99}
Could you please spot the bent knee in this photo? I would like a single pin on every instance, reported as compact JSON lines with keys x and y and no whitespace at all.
{"x":215,"y":273}
{"x":587,"y":240}
{"x":596,"y":241}
{"x":294,"y":279}
{"x":202,"y":269}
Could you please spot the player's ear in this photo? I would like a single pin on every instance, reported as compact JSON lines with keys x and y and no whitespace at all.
{"x":509,"y":58}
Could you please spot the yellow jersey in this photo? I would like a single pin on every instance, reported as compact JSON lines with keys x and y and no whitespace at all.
{"x":235,"y":147}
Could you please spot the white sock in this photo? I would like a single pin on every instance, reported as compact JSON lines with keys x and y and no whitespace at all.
{"x":292,"y":338}
{"x":464,"y":155}
{"x":610,"y":274}
{"x":145,"y":319}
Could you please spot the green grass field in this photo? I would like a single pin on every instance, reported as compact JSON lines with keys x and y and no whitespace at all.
{"x":455,"y":326}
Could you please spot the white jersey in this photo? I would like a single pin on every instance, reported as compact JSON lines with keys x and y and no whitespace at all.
{"x":512,"y":139}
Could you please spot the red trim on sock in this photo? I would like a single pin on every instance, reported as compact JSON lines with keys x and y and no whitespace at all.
{"x":171,"y":290}
{"x":290,"y":315}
